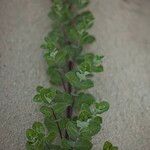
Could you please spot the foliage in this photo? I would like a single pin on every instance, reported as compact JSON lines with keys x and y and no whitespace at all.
{"x":71,"y":116}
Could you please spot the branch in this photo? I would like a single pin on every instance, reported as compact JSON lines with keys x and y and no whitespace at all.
{"x":63,"y":83}
{"x":69,"y":108}
{"x":57,"y":124}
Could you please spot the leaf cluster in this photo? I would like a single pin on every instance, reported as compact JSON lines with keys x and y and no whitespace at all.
{"x":71,"y":115}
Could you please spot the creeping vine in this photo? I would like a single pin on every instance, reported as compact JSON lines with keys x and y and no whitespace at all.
{"x":72,"y":116}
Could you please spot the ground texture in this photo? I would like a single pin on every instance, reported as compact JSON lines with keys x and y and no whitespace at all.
{"x":122,"y":29}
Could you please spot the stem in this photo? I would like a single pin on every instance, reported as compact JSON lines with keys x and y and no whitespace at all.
{"x":69,"y":108}
{"x":57,"y":124}
{"x":63,"y":84}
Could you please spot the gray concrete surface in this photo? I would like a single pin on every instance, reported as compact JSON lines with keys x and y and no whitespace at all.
{"x":122,"y":29}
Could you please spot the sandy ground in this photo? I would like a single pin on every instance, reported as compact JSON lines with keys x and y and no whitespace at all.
{"x":122,"y":29}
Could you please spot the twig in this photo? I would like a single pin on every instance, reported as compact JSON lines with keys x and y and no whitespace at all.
{"x":57,"y":124}
{"x":63,"y":83}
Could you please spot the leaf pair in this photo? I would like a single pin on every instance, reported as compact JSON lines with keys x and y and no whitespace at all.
{"x":76,"y":82}
{"x":90,"y":63}
{"x":60,"y":11}
{"x":55,"y":58}
{"x":56,"y":100}
{"x":35,"y":136}
{"x":45,"y":95}
{"x":80,"y":143}
{"x":81,"y":38}
{"x":51,"y":41}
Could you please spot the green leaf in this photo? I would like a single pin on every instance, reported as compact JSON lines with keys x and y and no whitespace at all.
{"x":50,"y":60}
{"x":50,"y":124}
{"x":60,"y":12}
{"x":49,"y":94}
{"x":45,"y":95}
{"x":86,"y":67}
{"x":39,"y":89}
{"x":97,"y":60}
{"x":79,"y":35}
{"x":31,"y":135}
{"x":84,"y":98}
{"x":38,"y":127}
{"x":56,"y":58}
{"x":90,"y":63}
{"x":85,"y":106}
{"x":80,"y":3}
{"x":63,"y":122}
{"x":114,"y":148}
{"x":87,"y":39}
{"x":51,"y":40}
{"x":49,"y":146}
{"x":61,"y":57}
{"x":46,"y":111}
{"x":73,"y":34}
{"x":72,"y":78}
{"x":93,"y":127}
{"x":83,"y":144}
{"x":82,"y":75}
{"x":75,"y":81}
{"x":82,"y":124}
{"x":39,"y":145}
{"x":73,"y":50}
{"x":72,"y":129}
{"x":85,"y":112}
{"x":94,"y":124}
{"x":84,"y":115}
{"x":55,"y":76}
{"x":67,"y":144}
{"x":80,"y":59}
{"x":29,"y":146}
{"x":109,"y":146}
{"x":38,"y":98}
{"x":83,"y":3}
{"x":51,"y":137}
{"x":98,"y":68}
{"x":63,"y":97}
{"x":60,"y":107}
{"x":84,"y":21}
{"x":102,"y":107}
